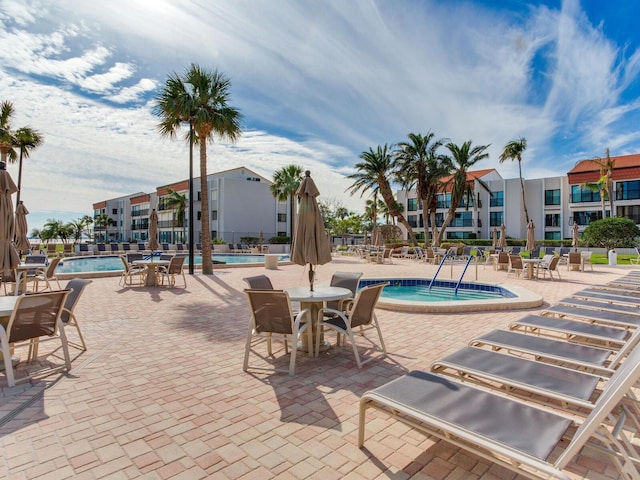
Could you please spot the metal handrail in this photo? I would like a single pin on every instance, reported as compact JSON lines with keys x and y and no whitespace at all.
{"x":455,"y":292}
{"x":439,"y":267}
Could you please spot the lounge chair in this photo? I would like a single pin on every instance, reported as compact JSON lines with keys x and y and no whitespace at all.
{"x":180,"y":247}
{"x":591,"y":358}
{"x":126,"y":247}
{"x":102,"y":249}
{"x":404,"y":251}
{"x":114,"y":249}
{"x":474,"y":419}
{"x":52,"y":249}
{"x":142,"y":247}
{"x":35,"y":317}
{"x":361,"y":314}
{"x":602,"y":316}
{"x":597,"y":305}
{"x":166,"y":248}
{"x":83,"y":249}
{"x":272,"y":317}
{"x":173,"y":270}
{"x":549,"y":250}
{"x":600,"y":295}
{"x":198,"y":248}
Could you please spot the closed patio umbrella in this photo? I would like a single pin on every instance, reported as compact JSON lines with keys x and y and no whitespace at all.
{"x":310,"y":243}
{"x":22,"y":241}
{"x":576,"y":236}
{"x":153,"y":231}
{"x":9,"y":258}
{"x":503,"y":236}
{"x":494,"y":236}
{"x":531,"y":236}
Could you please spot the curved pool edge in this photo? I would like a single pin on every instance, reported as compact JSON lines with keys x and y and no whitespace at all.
{"x":523,"y":299}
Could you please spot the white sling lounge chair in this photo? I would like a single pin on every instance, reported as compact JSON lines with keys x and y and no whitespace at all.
{"x":474,"y":419}
{"x":612,"y":307}
{"x":601,"y":316}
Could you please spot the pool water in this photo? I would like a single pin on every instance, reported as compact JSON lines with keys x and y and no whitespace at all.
{"x":417,"y":290}
{"x":109,"y":263}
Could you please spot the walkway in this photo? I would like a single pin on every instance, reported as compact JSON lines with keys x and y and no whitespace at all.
{"x":161,"y":392}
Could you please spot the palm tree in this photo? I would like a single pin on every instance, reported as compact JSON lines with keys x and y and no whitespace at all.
{"x":373,"y":173}
{"x":178,"y":202}
{"x":102,"y":222}
{"x":87,"y":221}
{"x":26,"y":139}
{"x":6,"y":133}
{"x":53,"y":229}
{"x":463,"y":158}
{"x":418,"y":164}
{"x":201,"y":99}
{"x":76,"y":227}
{"x":513,"y":151}
{"x":285,"y":184}
{"x":604,"y":185}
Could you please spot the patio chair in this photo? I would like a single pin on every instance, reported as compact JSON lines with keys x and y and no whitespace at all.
{"x":198,"y":248}
{"x":259,"y":282}
{"x":635,"y":261}
{"x":348,"y":280}
{"x":502,"y":261}
{"x":516,"y":250}
{"x":67,"y":250}
{"x":515,"y":265}
{"x":404,"y":251}
{"x":76,"y":286}
{"x":549,"y":250}
{"x":131,"y":272}
{"x":272,"y":317}
{"x":47,"y":275}
{"x":166,"y":248}
{"x":134,"y":257}
{"x":574,"y":261}
{"x":473,"y":419}
{"x":173,"y":270}
{"x":586,"y":260}
{"x":550,"y":267}
{"x":535,"y":253}
{"x":35,"y":317}
{"x":360,"y":314}
{"x":52,"y":249}
{"x":429,"y":256}
{"x":8,"y":279}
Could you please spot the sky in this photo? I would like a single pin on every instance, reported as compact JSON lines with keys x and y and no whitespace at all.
{"x":318,"y":82}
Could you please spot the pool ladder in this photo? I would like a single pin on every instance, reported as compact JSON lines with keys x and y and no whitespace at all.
{"x":455,"y":292}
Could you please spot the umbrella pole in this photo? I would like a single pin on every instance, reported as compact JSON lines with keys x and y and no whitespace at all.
{"x":312,"y":275}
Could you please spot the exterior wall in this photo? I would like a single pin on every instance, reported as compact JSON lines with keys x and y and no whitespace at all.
{"x":243,"y":204}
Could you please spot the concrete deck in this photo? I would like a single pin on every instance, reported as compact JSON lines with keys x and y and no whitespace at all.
{"x":161,"y":392}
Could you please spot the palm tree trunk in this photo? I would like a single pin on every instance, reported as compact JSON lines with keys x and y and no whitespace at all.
{"x":524,"y":203}
{"x":385,"y":190}
{"x":207,"y":264}
{"x":425,"y":223}
{"x":610,"y":192}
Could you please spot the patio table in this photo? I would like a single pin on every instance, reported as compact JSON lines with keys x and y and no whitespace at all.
{"x":530,"y":263}
{"x":314,"y":301}
{"x":151,"y":266}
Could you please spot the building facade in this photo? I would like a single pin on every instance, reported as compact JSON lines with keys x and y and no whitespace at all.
{"x":240,"y":206}
{"x":554,"y":204}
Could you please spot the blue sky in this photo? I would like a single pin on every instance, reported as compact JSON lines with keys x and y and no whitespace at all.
{"x":317,"y":81}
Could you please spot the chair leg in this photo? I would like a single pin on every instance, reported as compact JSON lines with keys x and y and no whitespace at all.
{"x":352,"y":339}
{"x":6,"y":357}
{"x":247,"y":348}
{"x":65,"y":345}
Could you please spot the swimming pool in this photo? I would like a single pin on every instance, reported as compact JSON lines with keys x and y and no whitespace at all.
{"x":413,"y":294}
{"x":112,"y":263}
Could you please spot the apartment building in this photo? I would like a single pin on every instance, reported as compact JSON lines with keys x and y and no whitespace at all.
{"x":554,"y":204}
{"x":240,"y":205}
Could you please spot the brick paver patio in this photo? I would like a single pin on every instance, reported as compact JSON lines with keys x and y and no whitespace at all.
{"x":161,"y":392}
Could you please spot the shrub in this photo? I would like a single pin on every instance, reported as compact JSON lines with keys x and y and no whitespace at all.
{"x":612,"y":232}
{"x":283,"y":240}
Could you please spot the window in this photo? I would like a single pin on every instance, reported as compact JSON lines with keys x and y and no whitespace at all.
{"x":458,"y":235}
{"x":443,"y":200}
{"x":412,"y":204}
{"x":552,"y":197}
{"x":214,"y":215}
{"x":583,"y":218}
{"x":495,"y":219}
{"x":439,"y":219}
{"x":497,"y":200}
{"x":199,"y":197}
{"x":214,"y":234}
{"x":114,"y":211}
{"x":413,"y":220}
{"x":583,"y":195}
{"x":463,"y":202}
{"x":552,"y":220}
{"x":552,"y":235}
{"x":199,"y":215}
{"x":214,"y":195}
{"x":462,"y":219}
{"x":282,"y":217}
{"x":628,"y":190}
{"x":631,"y":212}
